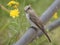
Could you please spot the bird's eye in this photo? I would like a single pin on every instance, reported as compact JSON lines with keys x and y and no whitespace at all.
{"x":29,"y":8}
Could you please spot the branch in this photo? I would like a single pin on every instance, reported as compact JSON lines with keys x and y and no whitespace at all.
{"x":50,"y":27}
{"x":50,"y":11}
{"x":54,"y":25}
{"x":31,"y":33}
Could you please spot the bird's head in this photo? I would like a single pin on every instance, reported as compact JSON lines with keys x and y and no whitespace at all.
{"x":27,"y":8}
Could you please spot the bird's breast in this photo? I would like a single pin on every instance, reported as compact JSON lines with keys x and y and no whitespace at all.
{"x":27,"y":16}
{"x":32,"y":24}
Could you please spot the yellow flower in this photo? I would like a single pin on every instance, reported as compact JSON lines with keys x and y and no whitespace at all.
{"x":55,"y":15}
{"x":14,"y":13}
{"x":13,"y":3}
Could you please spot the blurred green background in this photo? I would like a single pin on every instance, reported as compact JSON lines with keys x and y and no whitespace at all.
{"x":12,"y":29}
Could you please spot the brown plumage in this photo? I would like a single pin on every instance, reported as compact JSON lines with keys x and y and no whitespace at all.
{"x":35,"y":19}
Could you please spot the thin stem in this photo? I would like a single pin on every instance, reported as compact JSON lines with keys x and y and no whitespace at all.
{"x":3,"y":8}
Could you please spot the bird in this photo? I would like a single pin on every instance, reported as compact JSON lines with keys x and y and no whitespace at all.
{"x":35,"y":20}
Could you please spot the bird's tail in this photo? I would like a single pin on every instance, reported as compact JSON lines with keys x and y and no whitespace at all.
{"x":43,"y":30}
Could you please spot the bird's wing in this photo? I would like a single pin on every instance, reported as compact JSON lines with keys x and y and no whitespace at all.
{"x":38,"y":23}
{"x":36,"y":20}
